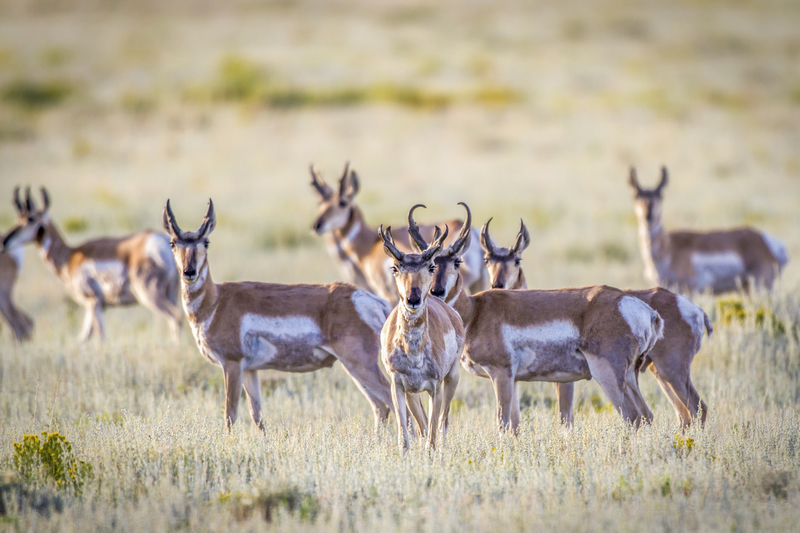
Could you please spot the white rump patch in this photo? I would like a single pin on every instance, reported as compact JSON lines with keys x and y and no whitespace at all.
{"x":711,"y":267}
{"x":524,"y":343}
{"x":641,"y":319}
{"x":259,"y":335}
{"x":371,"y":309}
{"x":156,"y":247}
{"x":777,"y":248}
{"x":692,"y":315}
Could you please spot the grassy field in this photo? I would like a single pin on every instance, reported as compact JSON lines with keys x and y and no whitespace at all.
{"x":532,"y":111}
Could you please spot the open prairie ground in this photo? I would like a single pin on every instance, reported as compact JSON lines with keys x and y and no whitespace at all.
{"x":532,"y":111}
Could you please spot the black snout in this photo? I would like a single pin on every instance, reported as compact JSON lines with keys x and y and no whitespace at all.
{"x":438,"y":292}
{"x":189,"y":273}
{"x":317,"y":226}
{"x":414,"y":299}
{"x":497,"y":285}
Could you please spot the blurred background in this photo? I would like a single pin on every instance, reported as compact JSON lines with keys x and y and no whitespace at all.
{"x":521,"y":109}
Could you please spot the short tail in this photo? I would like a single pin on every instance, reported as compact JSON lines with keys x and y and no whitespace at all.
{"x":709,"y":327}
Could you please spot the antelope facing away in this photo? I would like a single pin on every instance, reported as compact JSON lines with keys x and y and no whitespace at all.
{"x":422,"y":339}
{"x":358,"y":248}
{"x":560,"y":335}
{"x":104,"y":272}
{"x":721,"y":261}
{"x":245,"y":327}
{"x":10,"y":265}
{"x":670,"y":359}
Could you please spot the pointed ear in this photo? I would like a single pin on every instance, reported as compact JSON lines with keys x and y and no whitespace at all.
{"x":663,"y":182}
{"x":633,"y":180}
{"x":209,"y":221}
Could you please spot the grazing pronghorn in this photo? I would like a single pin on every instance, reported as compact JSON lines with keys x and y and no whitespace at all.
{"x":245,"y":327}
{"x":722,"y":260}
{"x":671,"y":357}
{"x":10,"y":265}
{"x":422,"y":339}
{"x":560,"y":335}
{"x":358,"y":248}
{"x":104,"y":272}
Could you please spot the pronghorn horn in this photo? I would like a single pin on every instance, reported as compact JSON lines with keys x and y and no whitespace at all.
{"x":418,"y":244}
{"x":45,"y":199}
{"x":170,"y":224}
{"x":436,"y":246}
{"x":388,"y":244}
{"x":664,"y":180}
{"x":486,"y":241}
{"x":523,"y":239}
{"x":17,"y":202}
{"x":353,"y":183}
{"x":343,"y":180}
{"x":319,"y":184}
{"x":633,"y":180}
{"x":209,"y":221}
{"x":30,"y":205}
{"x":463,"y":235}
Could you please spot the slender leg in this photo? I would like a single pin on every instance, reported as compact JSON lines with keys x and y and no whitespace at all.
{"x":435,"y":409}
{"x":448,"y":392}
{"x":98,"y":321}
{"x":612,"y":381}
{"x":564,"y":395}
{"x":233,"y":391}
{"x":515,"y":415}
{"x":684,"y":414}
{"x":399,"y":399}
{"x":88,"y":324}
{"x":372,"y":384}
{"x":415,"y":406}
{"x":252,"y":389}
{"x":636,"y":394}
{"x":504,"y":392}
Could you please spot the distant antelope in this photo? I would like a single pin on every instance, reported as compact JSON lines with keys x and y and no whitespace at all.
{"x":245,"y":327}
{"x":104,"y":272}
{"x":692,"y":261}
{"x":560,"y":335}
{"x":358,"y":248}
{"x":422,"y":339}
{"x":671,"y":357}
{"x":10,"y":265}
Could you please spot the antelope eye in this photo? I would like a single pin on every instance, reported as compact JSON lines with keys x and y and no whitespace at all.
{"x":206,"y":244}
{"x":516,"y":262}
{"x":394,"y":270}
{"x":457,"y":263}
{"x":172,"y":245}
{"x":342,"y":203}
{"x":432,"y":269}
{"x":31,"y":219}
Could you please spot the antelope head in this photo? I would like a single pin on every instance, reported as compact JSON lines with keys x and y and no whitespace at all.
{"x":504,"y":264}
{"x":648,"y":201}
{"x":448,"y":263}
{"x":335,"y":208}
{"x":413,"y":272}
{"x":31,"y":220}
{"x":190,"y":248}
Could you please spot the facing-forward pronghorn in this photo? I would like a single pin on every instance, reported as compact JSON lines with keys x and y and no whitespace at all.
{"x":358,"y":248}
{"x":560,"y":335}
{"x":244,"y":327}
{"x":422,"y":338}
{"x":10,"y":265}
{"x":722,"y":260}
{"x":671,"y":358}
{"x":104,"y":272}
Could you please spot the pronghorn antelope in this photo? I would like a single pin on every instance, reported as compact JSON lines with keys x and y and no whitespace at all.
{"x":671,"y":357}
{"x":358,"y":248}
{"x":560,"y":335}
{"x":692,"y":261}
{"x":245,"y":327}
{"x":104,"y":272}
{"x":422,"y":339}
{"x":10,"y":265}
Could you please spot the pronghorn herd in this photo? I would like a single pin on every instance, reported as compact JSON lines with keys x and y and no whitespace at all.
{"x":416,"y":302}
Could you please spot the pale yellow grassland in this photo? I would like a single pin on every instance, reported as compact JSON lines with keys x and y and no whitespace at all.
{"x":712,"y":89}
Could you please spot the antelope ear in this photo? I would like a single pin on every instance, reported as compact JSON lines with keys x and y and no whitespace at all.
{"x":663,"y":182}
{"x":523,"y":239}
{"x":633,"y":180}
{"x":353,"y":184}
{"x":209,"y":221}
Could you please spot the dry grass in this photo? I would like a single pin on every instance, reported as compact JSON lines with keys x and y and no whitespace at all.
{"x":546,"y":106}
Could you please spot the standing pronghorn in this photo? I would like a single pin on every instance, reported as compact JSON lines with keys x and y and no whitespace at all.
{"x":104,"y":272}
{"x":692,"y":261}
{"x":422,"y":339}
{"x":245,"y":326}
{"x":358,"y":248}
{"x":671,"y":357}
{"x":10,"y":265}
{"x":560,"y":335}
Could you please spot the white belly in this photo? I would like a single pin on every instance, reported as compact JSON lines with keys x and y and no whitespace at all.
{"x":712,"y":268}
{"x":281,"y":342}
{"x":547,"y":351}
